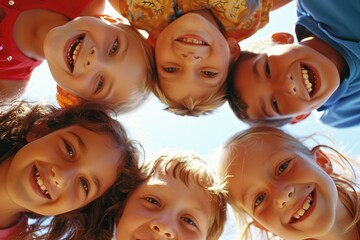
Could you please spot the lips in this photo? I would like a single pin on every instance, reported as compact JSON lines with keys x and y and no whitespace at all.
{"x":311,"y":79}
{"x":72,"y":50}
{"x":305,"y":210}
{"x":38,"y":184}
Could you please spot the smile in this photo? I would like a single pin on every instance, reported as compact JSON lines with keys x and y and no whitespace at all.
{"x":310,"y":79}
{"x":193,"y":40}
{"x":74,"y":50}
{"x":303,"y":212}
{"x":40,"y":183}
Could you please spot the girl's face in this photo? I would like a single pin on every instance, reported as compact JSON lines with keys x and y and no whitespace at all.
{"x":95,"y":60}
{"x":287,"y":80}
{"x":62,"y":171}
{"x":282,"y":189}
{"x":163,"y":207}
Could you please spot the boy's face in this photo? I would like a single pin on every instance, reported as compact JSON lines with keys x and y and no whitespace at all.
{"x":61,"y":171}
{"x":285,"y":81}
{"x":192,"y":58}
{"x":282,"y":189}
{"x":95,"y":60}
{"x":165,"y":208}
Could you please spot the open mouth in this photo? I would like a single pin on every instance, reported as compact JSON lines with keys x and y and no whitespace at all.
{"x":74,"y":50}
{"x":40,"y":183}
{"x":310,"y":78}
{"x":192,"y":40}
{"x":305,"y":210}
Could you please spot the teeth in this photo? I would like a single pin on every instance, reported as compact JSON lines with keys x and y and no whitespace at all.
{"x":72,"y":56}
{"x":192,"y":40}
{"x":304,"y":208}
{"x":40,"y":182}
{"x":305,"y":75}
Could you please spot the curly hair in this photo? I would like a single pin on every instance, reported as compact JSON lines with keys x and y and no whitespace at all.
{"x":345,"y":179}
{"x":16,"y":121}
{"x":191,"y":169}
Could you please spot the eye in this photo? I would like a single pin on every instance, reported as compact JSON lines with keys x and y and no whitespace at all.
{"x":283,"y":167}
{"x":85,"y":185}
{"x":69,"y":149}
{"x":275,"y":105}
{"x":99,"y":85}
{"x":267,"y":69}
{"x":152,"y":201}
{"x":170,"y":69}
{"x":189,"y":221}
{"x":259,"y":199}
{"x":114,"y":47}
{"x":209,"y":74}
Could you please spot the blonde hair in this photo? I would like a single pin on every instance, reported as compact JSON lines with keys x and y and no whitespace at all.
{"x":190,"y":107}
{"x":191,"y":169}
{"x":344,"y":181}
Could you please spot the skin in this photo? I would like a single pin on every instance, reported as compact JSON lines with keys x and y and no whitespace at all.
{"x":189,"y":70}
{"x":71,"y":163}
{"x":104,"y":69}
{"x":272,"y":85}
{"x":29,"y":31}
{"x":165,"y":208}
{"x":273,"y":193}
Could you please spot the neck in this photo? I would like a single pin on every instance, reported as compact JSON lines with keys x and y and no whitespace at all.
{"x":31,"y":28}
{"x":10,"y":211}
{"x":208,"y":15}
{"x":328,"y":51}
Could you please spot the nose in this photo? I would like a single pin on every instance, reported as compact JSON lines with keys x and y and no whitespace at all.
{"x":58,"y":177}
{"x":283,"y":195}
{"x":90,"y":58}
{"x":164,"y":228}
{"x":289,"y":84}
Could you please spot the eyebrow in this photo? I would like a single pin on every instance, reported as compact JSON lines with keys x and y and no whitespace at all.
{"x":263,"y":106}
{"x":80,"y":142}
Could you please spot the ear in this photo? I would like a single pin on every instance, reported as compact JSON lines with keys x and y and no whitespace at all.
{"x":323,"y":161}
{"x":299,"y":118}
{"x":39,"y":129}
{"x":282,"y":38}
{"x":234,"y":48}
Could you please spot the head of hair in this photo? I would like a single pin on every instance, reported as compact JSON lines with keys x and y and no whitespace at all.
{"x":17,"y":119}
{"x":344,"y":179}
{"x":191,"y":107}
{"x":191,"y":169}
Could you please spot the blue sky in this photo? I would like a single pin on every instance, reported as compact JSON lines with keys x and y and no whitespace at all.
{"x":157,"y":129}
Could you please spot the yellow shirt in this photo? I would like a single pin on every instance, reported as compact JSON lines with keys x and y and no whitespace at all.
{"x":240,"y":18}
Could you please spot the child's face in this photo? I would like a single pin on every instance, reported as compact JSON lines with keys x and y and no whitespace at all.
{"x":165,"y":208}
{"x":110,"y":62}
{"x":62,"y":171}
{"x":274,"y":85}
{"x":192,"y":58}
{"x":282,"y":189}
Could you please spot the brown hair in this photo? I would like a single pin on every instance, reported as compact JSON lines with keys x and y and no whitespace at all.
{"x":345,"y":181}
{"x":17,"y":119}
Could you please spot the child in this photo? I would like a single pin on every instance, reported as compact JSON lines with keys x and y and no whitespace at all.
{"x":179,"y":198}
{"x":95,"y":59}
{"x":287,"y":82}
{"x":280,"y":186}
{"x":196,"y":42}
{"x":52,"y":163}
